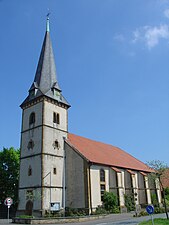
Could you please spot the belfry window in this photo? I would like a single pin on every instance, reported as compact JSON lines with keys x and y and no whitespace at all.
{"x":56,"y":118}
{"x":32,"y":118}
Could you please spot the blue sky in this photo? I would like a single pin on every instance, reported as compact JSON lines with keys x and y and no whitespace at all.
{"x":112,"y":64}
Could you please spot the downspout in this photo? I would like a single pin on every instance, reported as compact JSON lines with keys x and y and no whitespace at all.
{"x":64,"y":176}
{"x":90,"y":191}
{"x":42,"y":159}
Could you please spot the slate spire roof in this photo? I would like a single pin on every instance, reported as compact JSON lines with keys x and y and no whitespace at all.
{"x":45,"y":76}
{"x":45,"y":81}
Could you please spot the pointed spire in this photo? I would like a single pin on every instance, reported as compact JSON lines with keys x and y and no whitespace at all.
{"x":45,"y":77}
{"x":45,"y":81}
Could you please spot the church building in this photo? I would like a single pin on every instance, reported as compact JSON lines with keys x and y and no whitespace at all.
{"x":59,"y":169}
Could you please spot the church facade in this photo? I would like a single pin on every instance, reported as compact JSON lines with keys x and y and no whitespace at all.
{"x":59,"y":169}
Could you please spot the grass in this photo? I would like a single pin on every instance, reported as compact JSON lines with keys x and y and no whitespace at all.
{"x":156,"y":222}
{"x":25,"y":217}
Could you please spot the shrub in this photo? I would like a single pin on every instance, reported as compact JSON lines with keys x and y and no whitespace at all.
{"x":143,"y":213}
{"x":159,"y":210}
{"x":166,"y":191}
{"x":100,"y":210}
{"x":129,"y":202}
{"x":110,"y":201}
{"x":116,"y":209}
{"x":154,"y":200}
{"x":73,"y":212}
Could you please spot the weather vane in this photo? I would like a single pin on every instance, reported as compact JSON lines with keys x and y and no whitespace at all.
{"x":48,"y":14}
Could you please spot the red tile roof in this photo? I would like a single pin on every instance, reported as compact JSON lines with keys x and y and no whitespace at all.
{"x":165,"y":178}
{"x":105,"y":154}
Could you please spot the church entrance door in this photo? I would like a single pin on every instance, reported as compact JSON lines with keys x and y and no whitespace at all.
{"x":29,"y":208}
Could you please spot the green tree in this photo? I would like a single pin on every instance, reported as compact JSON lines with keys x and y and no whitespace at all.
{"x":159,"y":168}
{"x":9,"y":174}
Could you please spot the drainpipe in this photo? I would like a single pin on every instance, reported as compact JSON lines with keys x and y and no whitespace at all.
{"x":64,"y":176}
{"x":90,"y":191}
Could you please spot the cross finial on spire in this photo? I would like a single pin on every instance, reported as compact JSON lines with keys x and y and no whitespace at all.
{"x":47,"y":21}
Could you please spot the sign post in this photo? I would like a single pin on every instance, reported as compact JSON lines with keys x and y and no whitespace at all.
{"x":150,"y":211}
{"x":8,"y":202}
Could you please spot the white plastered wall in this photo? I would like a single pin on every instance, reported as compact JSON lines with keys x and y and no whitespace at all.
{"x":147,"y":190}
{"x":95,"y":184}
{"x":34,"y":162}
{"x":135,"y":186}
{"x":34,"y":134}
{"x":54,"y":157}
{"x":120,"y":182}
{"x":36,"y":199}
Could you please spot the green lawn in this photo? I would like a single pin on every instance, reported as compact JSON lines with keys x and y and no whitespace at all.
{"x":156,"y":222}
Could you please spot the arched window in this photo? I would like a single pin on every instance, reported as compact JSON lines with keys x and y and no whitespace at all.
{"x":102,"y":183}
{"x":56,"y":118}
{"x":30,"y":171}
{"x":32,"y":118}
{"x":102,"y":175}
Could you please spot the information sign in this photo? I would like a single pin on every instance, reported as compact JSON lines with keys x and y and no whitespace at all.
{"x":150,"y":209}
{"x":54,"y":206}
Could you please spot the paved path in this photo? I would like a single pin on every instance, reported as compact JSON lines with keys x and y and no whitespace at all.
{"x":114,"y":219}
{"x":119,"y":219}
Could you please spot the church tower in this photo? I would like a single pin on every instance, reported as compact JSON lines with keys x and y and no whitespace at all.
{"x":44,"y":128}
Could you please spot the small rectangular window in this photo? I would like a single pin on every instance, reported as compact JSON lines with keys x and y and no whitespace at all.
{"x":102,"y":190}
{"x":29,"y":171}
{"x":54,"y":170}
{"x":58,"y":119}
